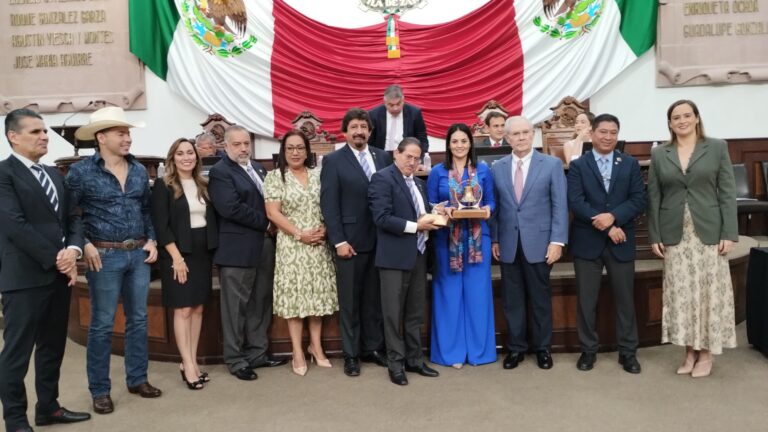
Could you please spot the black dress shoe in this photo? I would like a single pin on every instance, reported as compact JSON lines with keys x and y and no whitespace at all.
{"x":630,"y":363}
{"x":423,"y":370}
{"x":398,"y":377}
{"x":62,"y":415}
{"x":272,"y":362}
{"x":103,"y":404}
{"x":351,"y":366}
{"x":145,"y":390}
{"x":375,"y":357}
{"x":544,"y":359}
{"x":513,"y":359}
{"x":586,"y":361}
{"x":245,"y":373}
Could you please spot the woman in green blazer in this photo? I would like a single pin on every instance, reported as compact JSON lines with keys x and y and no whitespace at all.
{"x":692,"y":226}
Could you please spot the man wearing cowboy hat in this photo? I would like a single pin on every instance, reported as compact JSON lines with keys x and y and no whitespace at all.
{"x":112,"y":190}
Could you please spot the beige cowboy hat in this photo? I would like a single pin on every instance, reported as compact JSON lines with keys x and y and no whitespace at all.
{"x":104,"y":118}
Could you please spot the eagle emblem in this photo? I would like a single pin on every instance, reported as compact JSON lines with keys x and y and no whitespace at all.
{"x":567,"y":19}
{"x":219,"y":27}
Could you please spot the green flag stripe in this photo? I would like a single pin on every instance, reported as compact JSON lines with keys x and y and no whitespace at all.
{"x":638,"y":24}
{"x":152,"y":24}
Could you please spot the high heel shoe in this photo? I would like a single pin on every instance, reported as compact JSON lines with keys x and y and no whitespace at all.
{"x":314,"y":359}
{"x":702,"y":368}
{"x":301,"y":370}
{"x":687,"y":366}
{"x":204,"y":377}
{"x":194,"y":385}
{"x":457,"y":365}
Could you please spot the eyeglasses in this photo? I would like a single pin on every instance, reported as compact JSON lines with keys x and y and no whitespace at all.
{"x":295,"y":150}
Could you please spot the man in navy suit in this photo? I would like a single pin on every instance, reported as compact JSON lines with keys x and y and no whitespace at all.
{"x":399,"y":204}
{"x":495,"y":122}
{"x":344,"y":202}
{"x":395,"y":120}
{"x":605,"y":194}
{"x":41,"y":237}
{"x":236,"y":185}
{"x":528,"y":229}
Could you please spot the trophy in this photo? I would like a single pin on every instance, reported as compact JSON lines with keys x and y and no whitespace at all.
{"x":469,"y":202}
{"x":437,"y":219}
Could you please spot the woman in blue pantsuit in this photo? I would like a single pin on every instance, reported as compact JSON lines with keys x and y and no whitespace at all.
{"x":462,"y":305}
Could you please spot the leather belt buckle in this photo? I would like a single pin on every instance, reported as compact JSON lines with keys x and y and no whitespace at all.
{"x":130,"y":244}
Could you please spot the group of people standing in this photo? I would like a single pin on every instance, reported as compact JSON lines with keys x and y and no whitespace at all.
{"x":352,"y":237}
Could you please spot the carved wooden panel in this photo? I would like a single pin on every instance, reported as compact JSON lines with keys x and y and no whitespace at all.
{"x":559,"y":128}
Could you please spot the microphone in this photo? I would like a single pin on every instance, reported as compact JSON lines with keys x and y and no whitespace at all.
{"x":64,"y":123}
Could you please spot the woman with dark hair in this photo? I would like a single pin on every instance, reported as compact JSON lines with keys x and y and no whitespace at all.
{"x":692,"y":226}
{"x":185,"y":223}
{"x":462,"y":317}
{"x":582,"y":133}
{"x":305,"y":280}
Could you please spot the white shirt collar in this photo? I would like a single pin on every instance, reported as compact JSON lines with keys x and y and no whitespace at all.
{"x":28,"y":163}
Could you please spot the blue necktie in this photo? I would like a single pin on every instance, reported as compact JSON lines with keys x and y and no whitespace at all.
{"x":421,"y":237}
{"x":604,"y":171}
{"x":252,"y":173}
{"x":48,"y":188}
{"x":364,"y":164}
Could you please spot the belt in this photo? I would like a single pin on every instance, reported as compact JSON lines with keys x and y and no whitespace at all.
{"x":129,"y":244}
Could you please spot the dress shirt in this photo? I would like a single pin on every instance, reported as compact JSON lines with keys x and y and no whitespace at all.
{"x":28,"y":163}
{"x":410,"y":226}
{"x":396,"y":129}
{"x":109,"y":213}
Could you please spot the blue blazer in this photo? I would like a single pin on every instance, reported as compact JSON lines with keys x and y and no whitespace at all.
{"x":392,"y":206}
{"x":344,"y":198}
{"x":541,"y":216}
{"x":413,"y":126}
{"x":242,"y":217}
{"x":587,"y":197}
{"x":437,"y":189}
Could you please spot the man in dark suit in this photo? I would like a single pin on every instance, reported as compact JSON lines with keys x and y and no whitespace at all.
{"x":528,"y":229}
{"x":605,"y":194}
{"x":394,"y":119}
{"x":495,"y":121}
{"x":41,"y":238}
{"x":236,"y":187}
{"x":344,"y":203}
{"x":399,"y":206}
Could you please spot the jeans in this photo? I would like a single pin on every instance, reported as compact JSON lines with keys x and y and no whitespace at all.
{"x":123,"y":274}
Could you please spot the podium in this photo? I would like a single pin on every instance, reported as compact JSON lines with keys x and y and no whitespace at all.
{"x":757,"y":299}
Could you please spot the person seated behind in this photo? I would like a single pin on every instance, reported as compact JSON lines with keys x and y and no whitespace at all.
{"x":495,"y":123}
{"x":582,"y":133}
{"x":205,"y":146}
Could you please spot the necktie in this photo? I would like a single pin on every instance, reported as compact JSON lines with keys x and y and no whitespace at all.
{"x":421,"y":238}
{"x":604,"y":172}
{"x":519,"y":180}
{"x":364,"y":164}
{"x":254,"y":177}
{"x":48,"y":188}
{"x":391,"y":144}
{"x":496,"y":144}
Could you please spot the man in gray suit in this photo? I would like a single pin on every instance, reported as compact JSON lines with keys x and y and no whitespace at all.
{"x":528,"y":229}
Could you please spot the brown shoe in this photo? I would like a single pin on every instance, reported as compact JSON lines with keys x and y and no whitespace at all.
{"x":145,"y":390}
{"x":103,"y":404}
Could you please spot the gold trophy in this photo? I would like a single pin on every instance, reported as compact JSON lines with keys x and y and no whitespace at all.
{"x":469,"y":204}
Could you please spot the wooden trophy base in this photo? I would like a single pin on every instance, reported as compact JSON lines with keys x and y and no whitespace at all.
{"x":469,"y":213}
{"x":436,"y":219}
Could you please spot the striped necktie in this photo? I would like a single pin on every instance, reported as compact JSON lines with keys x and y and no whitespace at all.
{"x":364,"y":164}
{"x":421,"y":237}
{"x":604,"y":166}
{"x":48,"y":188}
{"x":252,"y":173}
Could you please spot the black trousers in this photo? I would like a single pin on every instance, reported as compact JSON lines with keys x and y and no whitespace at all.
{"x":35,"y":319}
{"x":403,"y":298}
{"x":522,"y":280}
{"x":621,"y":276}
{"x":357,"y":283}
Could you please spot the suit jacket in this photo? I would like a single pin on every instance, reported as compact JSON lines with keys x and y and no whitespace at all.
{"x":242,"y":217}
{"x":31,"y":232}
{"x":541,"y":216}
{"x":413,"y":126}
{"x":392,"y":206}
{"x":344,"y":198}
{"x":587,"y":197}
{"x":487,"y":142}
{"x":707,"y":186}
{"x":170,"y":216}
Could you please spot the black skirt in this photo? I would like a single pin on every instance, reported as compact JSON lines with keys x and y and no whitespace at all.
{"x":197,"y":289}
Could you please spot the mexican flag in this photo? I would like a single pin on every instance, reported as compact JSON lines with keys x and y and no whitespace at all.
{"x":261,"y":63}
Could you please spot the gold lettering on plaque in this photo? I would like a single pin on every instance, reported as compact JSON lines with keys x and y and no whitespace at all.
{"x":76,"y":59}
{"x":93,"y":16}
{"x":745,"y":6}
{"x":26,"y":19}
{"x":23,"y":62}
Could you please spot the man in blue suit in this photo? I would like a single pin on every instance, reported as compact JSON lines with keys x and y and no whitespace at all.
{"x":605,"y":194}
{"x":528,"y":229}
{"x":236,"y":187}
{"x":395,"y":120}
{"x":399,"y":205}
